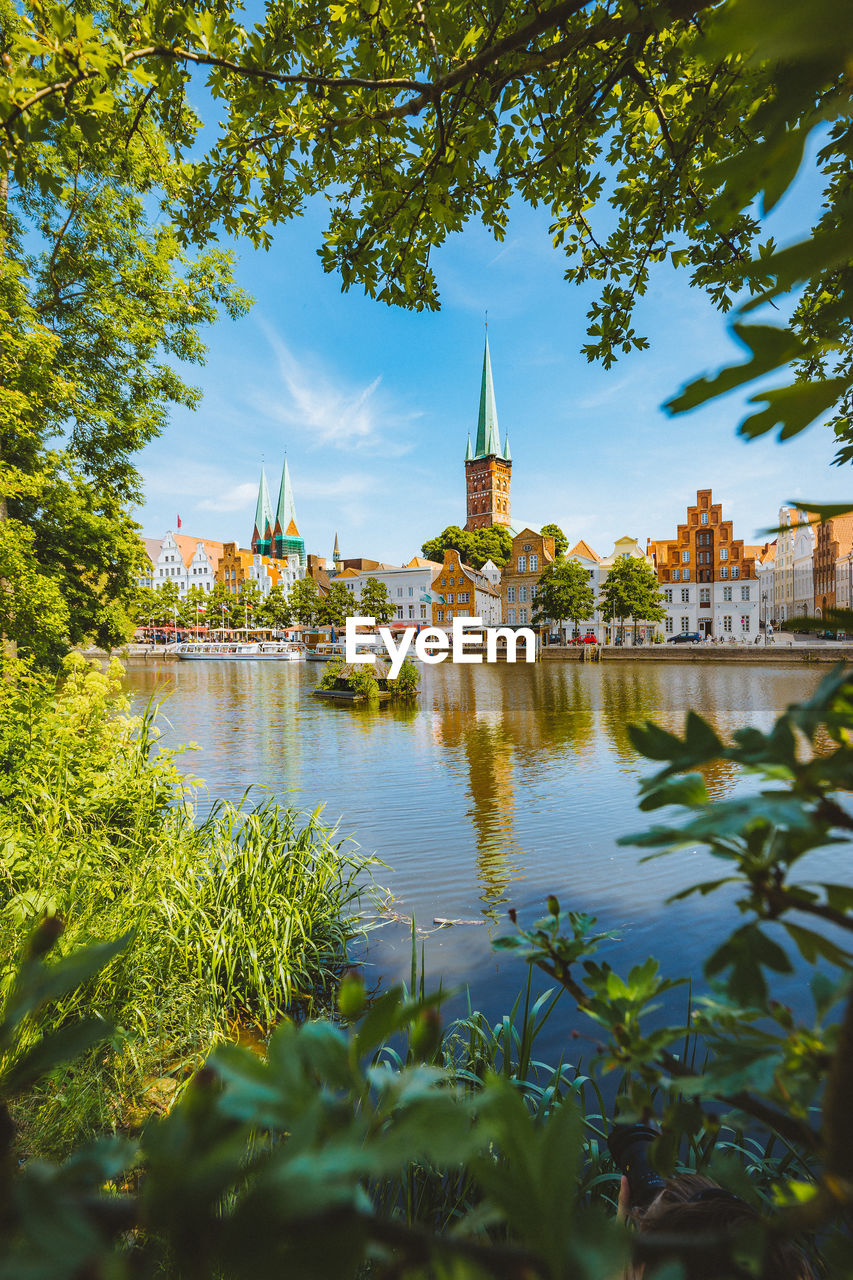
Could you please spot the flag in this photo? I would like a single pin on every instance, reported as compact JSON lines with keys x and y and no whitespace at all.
{"x":201,"y":608}
{"x":179,"y":522}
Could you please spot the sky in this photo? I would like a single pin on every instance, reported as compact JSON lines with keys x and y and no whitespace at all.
{"x":373,"y":405}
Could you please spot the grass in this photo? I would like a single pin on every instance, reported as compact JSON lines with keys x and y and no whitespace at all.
{"x":234,"y":920}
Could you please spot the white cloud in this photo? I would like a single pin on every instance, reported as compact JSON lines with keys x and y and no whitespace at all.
{"x":326,"y":410}
{"x":236,"y":498}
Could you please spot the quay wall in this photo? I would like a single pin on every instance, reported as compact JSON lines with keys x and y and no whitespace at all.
{"x":775,"y":655}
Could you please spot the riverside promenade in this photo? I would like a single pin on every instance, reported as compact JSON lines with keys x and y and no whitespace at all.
{"x":779,"y":654}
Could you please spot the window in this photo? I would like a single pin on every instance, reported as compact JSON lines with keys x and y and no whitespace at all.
{"x":463,"y":597}
{"x":724,"y":573}
{"x":685,"y":557}
{"x":735,"y":571}
{"x":704,"y":517}
{"x":522,"y":593}
{"x":727,"y":622}
{"x":669,"y":624}
{"x":705,"y":595}
{"x":667,"y":595}
{"x":512,"y":615}
{"x":744,"y":593}
{"x":423,"y":610}
{"x":676,"y":574}
{"x":744,"y":622}
{"x":439,"y":615}
{"x":534,"y":563}
{"x":510,"y":594}
{"x":450,"y":597}
{"x":411,"y":611}
{"x":449,"y":615}
{"x":685,"y":595}
{"x":724,"y":553}
{"x":400,"y":590}
{"x":685,"y":623}
{"x":727,"y":593}
{"x":685,"y":575}
{"x":411,"y":591}
{"x":399,"y":611}
{"x":522,"y":615}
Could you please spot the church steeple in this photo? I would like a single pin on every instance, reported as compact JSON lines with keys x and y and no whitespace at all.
{"x":262,"y":532}
{"x":285,"y":516}
{"x":336,"y":553}
{"x":488,"y":468}
{"x":488,"y":436}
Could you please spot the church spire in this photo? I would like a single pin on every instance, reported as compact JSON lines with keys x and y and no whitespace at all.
{"x":336,"y":553}
{"x":285,"y":516}
{"x":263,"y":518}
{"x":507,"y":454}
{"x":488,"y":437}
{"x":469,"y":453}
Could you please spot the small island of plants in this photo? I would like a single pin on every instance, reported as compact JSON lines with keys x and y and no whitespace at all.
{"x":363,"y":682}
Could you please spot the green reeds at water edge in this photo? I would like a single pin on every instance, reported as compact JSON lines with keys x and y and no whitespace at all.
{"x":233,"y":920}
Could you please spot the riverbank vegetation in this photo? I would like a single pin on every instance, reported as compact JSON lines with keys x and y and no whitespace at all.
{"x":368,"y":680}
{"x":230,"y":920}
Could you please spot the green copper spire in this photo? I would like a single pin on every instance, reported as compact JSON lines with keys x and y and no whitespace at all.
{"x":488,"y":438}
{"x":285,"y":515}
{"x":263,"y":514}
{"x":468,"y":452}
{"x":507,"y":453}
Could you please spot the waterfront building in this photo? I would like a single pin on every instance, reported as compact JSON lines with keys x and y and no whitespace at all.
{"x":765,"y":572}
{"x":707,"y":575}
{"x":148,"y":569}
{"x":531,"y":553}
{"x":488,"y":466}
{"x":591,"y":561}
{"x":461,"y":592}
{"x":606,"y":627}
{"x":188,"y":562}
{"x":491,"y":571}
{"x":784,"y":566}
{"x":239,"y":565}
{"x":803,"y":565}
{"x":833,"y":540}
{"x":409,"y":587}
{"x":844,"y":581}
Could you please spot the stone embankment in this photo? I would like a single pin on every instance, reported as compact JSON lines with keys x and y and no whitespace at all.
{"x":794,"y":655}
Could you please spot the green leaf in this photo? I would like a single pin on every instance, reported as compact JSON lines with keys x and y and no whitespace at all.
{"x":769,"y":348}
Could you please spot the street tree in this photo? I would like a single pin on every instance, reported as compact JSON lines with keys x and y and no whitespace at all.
{"x":304,"y":600}
{"x":631,"y":590}
{"x":222,"y":607}
{"x":375,"y":602}
{"x":561,"y":542}
{"x":249,"y":603}
{"x":564,"y":591}
{"x":337,"y":605}
{"x":276,"y":610}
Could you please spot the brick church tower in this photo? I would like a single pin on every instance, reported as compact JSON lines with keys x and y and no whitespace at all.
{"x":488,"y":468}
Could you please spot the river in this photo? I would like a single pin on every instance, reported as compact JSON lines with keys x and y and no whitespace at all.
{"x":500,"y":785}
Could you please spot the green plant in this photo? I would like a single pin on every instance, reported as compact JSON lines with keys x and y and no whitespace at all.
{"x":407,"y":682}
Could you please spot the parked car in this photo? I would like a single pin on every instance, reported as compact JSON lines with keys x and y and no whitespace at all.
{"x":685,"y":637}
{"x":589,"y":638}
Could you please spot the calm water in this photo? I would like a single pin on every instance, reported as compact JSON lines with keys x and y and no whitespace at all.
{"x":502,"y":785}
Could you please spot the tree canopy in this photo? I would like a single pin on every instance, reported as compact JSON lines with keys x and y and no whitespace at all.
{"x":561,"y":542}
{"x":564,"y":591}
{"x":631,"y":590}
{"x":474,"y":546}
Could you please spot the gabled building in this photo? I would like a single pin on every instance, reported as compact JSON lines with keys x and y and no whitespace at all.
{"x":708,"y":576}
{"x":833,"y":541}
{"x":188,"y":562}
{"x":488,"y":466}
{"x":277,"y":535}
{"x":239,"y":565}
{"x":461,"y":592}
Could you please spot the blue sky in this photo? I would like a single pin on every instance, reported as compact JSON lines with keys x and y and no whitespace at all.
{"x":373,"y":406}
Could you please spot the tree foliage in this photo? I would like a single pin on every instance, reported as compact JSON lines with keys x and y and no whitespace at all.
{"x":631,"y":590}
{"x":375,"y":602}
{"x":474,"y":546}
{"x":564,"y":591}
{"x":561,"y":542}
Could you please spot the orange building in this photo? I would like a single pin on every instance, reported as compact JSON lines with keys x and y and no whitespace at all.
{"x":461,"y":592}
{"x":833,"y":541}
{"x":236,"y":565}
{"x":488,"y":468}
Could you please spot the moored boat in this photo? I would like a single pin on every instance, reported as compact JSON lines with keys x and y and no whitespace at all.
{"x":236,"y":650}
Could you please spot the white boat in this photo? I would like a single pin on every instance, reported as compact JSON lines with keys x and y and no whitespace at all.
{"x":236,"y":650}
{"x":328,"y":652}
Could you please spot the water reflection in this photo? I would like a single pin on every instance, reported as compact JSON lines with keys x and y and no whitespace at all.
{"x":499,"y":785}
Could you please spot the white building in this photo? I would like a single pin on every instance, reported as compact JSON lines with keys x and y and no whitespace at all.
{"x":765,"y":572}
{"x":188,"y":562}
{"x":803,"y":565}
{"x":784,"y":569}
{"x":409,"y":588}
{"x":491,"y":571}
{"x":606,"y":628}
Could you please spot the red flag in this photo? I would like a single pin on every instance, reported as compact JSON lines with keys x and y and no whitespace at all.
{"x":201,"y":608}
{"x":179,"y":522}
